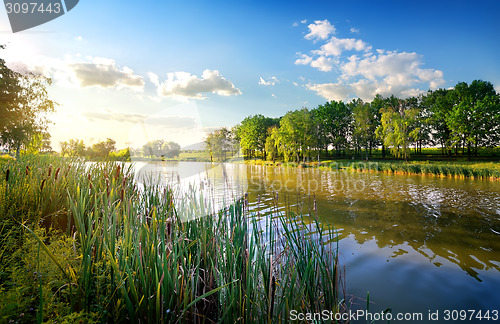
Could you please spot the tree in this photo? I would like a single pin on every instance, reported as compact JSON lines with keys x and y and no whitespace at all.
{"x":364,"y":125}
{"x":272,"y":143}
{"x":474,"y":119}
{"x":439,"y":104}
{"x":252,"y":133}
{"x":102,"y":149}
{"x":335,"y":118}
{"x":73,"y":148}
{"x":161,"y":148}
{"x":398,"y":128}
{"x":296,"y":134}
{"x":219,"y":143}
{"x":24,"y":104}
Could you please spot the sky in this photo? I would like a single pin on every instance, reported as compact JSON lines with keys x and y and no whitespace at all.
{"x":175,"y":70}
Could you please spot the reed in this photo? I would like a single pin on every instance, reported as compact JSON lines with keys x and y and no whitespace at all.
{"x":144,"y":258}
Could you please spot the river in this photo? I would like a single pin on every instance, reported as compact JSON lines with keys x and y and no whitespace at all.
{"x":416,"y":243}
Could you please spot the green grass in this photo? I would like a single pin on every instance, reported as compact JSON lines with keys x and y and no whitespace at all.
{"x":105,"y":251}
{"x":458,"y":169}
{"x":485,"y":170}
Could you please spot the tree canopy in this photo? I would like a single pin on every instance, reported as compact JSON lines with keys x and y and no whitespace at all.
{"x":24,"y":105}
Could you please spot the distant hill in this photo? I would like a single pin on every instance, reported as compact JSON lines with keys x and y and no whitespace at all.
{"x":194,"y":147}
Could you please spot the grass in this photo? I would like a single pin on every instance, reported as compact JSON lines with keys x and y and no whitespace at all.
{"x":105,"y":251}
{"x":485,"y":170}
{"x":459,"y":169}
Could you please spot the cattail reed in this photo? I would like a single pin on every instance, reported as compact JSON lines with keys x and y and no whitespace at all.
{"x":57,"y":172}
{"x":27,"y":169}
{"x":50,"y":170}
{"x":7,"y":173}
{"x":43,"y":183}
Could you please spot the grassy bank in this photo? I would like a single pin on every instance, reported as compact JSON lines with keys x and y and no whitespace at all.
{"x":458,"y":169}
{"x":82,"y":242}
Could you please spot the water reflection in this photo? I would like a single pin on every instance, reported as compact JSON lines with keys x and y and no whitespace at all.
{"x":443,"y":219}
{"x":417,"y":243}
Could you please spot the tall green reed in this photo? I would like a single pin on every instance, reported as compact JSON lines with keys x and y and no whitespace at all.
{"x":144,"y":258}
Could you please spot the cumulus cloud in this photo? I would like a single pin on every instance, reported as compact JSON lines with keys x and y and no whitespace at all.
{"x":335,"y":46}
{"x":270,"y":82}
{"x":331,"y":91}
{"x":154,"y":78}
{"x":104,"y":73}
{"x":304,"y":59}
{"x":183,"y":84}
{"x":320,"y":29}
{"x":322,"y":63}
{"x":354,"y":30}
{"x":365,"y":72}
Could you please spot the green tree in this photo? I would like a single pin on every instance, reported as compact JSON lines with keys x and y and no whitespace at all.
{"x":161,"y":148}
{"x":272,"y":143}
{"x":399,"y":127}
{"x":102,"y":149}
{"x":439,"y":104}
{"x":72,"y":148}
{"x":474,"y":119}
{"x":219,"y":143}
{"x":24,"y":106}
{"x":252,"y":133}
{"x":364,"y":125}
{"x":296,"y":135}
{"x":335,"y":118}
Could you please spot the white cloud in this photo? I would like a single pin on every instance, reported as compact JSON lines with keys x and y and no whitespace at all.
{"x":303,"y":21}
{"x":322,"y":63}
{"x":154,"y":78}
{"x":397,"y":69}
{"x":336,"y":46}
{"x":104,"y":73}
{"x":320,"y":29}
{"x":304,"y":59}
{"x":497,"y":88}
{"x":366,"y":73}
{"x":272,"y":81}
{"x":186,"y":85}
{"x":354,"y":30}
{"x":331,"y":91}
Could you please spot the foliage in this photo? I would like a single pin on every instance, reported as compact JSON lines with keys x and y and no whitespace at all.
{"x":131,"y":256}
{"x":161,"y":148}
{"x":220,"y":144}
{"x":24,"y":104}
{"x":475,"y":118}
{"x":72,"y":148}
{"x":252,"y":133}
{"x":399,"y":127}
{"x":121,"y":155}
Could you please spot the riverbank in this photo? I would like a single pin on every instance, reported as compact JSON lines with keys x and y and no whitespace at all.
{"x":479,"y":170}
{"x":82,"y":242}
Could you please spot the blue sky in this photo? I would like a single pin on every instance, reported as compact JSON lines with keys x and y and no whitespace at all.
{"x":136,"y":71}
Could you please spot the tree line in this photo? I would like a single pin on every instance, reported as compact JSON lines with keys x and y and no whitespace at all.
{"x":459,"y":120}
{"x":107,"y":149}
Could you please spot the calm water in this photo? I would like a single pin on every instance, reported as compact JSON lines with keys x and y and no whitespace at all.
{"x":416,"y":243}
